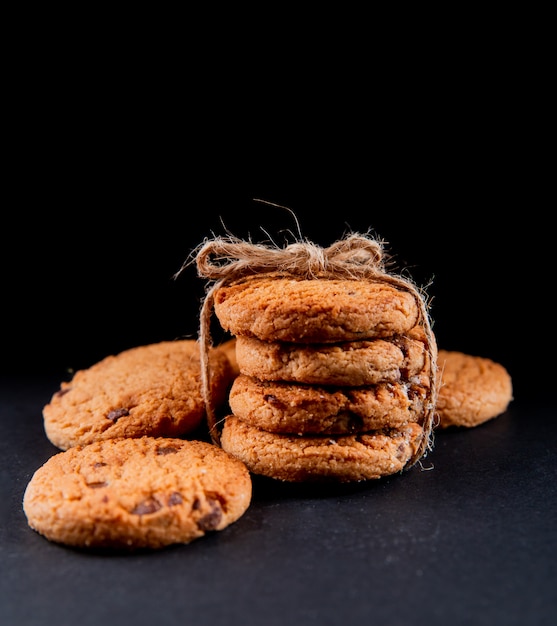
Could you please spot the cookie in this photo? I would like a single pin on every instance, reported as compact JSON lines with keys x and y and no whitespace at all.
{"x":136,"y":493}
{"x":350,"y":363}
{"x":310,"y":409}
{"x":229,"y":348}
{"x":150,"y":390}
{"x":472,"y":389}
{"x":341,"y":458}
{"x":274,"y":308}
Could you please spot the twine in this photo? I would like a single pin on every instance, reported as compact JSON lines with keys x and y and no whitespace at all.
{"x":226,"y":260}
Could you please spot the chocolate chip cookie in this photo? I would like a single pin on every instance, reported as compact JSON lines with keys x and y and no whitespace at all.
{"x":283,"y":407}
{"x":350,"y":363}
{"x":472,"y":390}
{"x":314,"y":311}
{"x":150,"y":390}
{"x":136,"y":493}
{"x":336,"y":458}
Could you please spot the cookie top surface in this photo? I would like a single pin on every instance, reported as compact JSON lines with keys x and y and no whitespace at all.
{"x":473,"y":389}
{"x":136,"y":493}
{"x":311,"y":409}
{"x":350,"y":363}
{"x":336,"y":458}
{"x":153,"y":390}
{"x":318,"y":310}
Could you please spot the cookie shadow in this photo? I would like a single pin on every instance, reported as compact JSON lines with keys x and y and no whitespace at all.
{"x":265,"y":488}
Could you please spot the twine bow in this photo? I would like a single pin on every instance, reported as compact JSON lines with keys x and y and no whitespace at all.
{"x":356,"y":257}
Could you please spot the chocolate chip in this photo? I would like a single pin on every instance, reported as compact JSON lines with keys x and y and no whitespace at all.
{"x":415,"y":392}
{"x":349,"y":422}
{"x":117,"y":414}
{"x":97,"y":485}
{"x":174,"y":499}
{"x":401,"y":450}
{"x":272,"y":399}
{"x":150,"y":505}
{"x":167,"y":450}
{"x":62,"y":392}
{"x":210,"y":520}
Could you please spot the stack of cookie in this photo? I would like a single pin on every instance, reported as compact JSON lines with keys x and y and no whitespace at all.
{"x":335,"y":376}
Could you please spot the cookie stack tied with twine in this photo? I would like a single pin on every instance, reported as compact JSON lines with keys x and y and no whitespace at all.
{"x":336,"y":356}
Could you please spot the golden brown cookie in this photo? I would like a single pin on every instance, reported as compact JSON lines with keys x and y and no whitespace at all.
{"x":136,"y":493}
{"x":149,"y":390}
{"x":350,"y":363}
{"x":337,"y":458}
{"x":274,"y":308}
{"x":310,"y":409}
{"x":229,"y":348}
{"x":473,"y":389}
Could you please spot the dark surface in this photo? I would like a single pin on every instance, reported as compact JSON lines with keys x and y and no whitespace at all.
{"x":468,"y":538}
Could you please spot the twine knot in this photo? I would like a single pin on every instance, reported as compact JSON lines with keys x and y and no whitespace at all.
{"x":356,"y":256}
